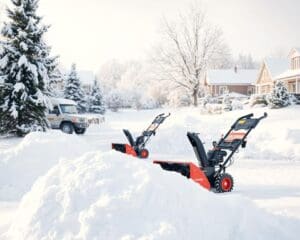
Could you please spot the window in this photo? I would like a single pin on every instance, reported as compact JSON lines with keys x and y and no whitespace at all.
{"x":296,"y":63}
{"x":223,"y":89}
{"x":68,"y":109}
{"x":55,"y":110}
{"x":250,"y":90}
{"x":292,"y":87}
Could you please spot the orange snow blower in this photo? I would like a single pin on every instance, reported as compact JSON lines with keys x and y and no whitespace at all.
{"x":136,"y":147}
{"x":211,"y":172}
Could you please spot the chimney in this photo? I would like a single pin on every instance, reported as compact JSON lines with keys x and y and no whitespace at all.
{"x":235,"y":68}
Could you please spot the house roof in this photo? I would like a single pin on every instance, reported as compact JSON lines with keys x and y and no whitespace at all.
{"x":291,"y":73}
{"x":296,"y":51}
{"x":230,"y":77}
{"x":233,"y":95}
{"x":276,"y":66}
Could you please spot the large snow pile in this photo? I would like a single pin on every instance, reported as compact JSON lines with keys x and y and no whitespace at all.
{"x":113,"y":196}
{"x":21,"y":165}
{"x":275,"y":138}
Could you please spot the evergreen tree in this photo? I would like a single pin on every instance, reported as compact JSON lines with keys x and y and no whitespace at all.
{"x":23,"y":70}
{"x":54,"y":74}
{"x":96,"y":99}
{"x":279,"y":97}
{"x":73,"y":90}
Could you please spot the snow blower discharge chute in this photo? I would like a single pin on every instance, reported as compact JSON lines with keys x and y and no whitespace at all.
{"x":211,"y":172}
{"x":136,"y":147}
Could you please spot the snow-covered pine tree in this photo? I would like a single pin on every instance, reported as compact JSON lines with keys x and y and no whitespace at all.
{"x":23,"y":70}
{"x":96,"y":99}
{"x":279,"y":96}
{"x":73,"y":90}
{"x":54,"y":74}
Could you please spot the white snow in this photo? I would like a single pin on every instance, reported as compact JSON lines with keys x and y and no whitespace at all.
{"x":22,"y":164}
{"x":3,"y":62}
{"x":77,"y":188}
{"x":22,"y":61}
{"x":56,"y":101}
{"x":23,"y":46}
{"x":230,"y":77}
{"x":112,"y":196}
{"x":18,"y":87}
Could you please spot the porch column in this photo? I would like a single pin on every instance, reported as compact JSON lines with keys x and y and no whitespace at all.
{"x":297,"y":89}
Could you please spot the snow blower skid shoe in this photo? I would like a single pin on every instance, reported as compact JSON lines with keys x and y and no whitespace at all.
{"x":136,"y":147}
{"x":211,"y":172}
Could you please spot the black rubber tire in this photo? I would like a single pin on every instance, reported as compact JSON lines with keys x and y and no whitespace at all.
{"x":224,"y":183}
{"x":67,"y":128}
{"x":144,"y":153}
{"x":80,"y":131}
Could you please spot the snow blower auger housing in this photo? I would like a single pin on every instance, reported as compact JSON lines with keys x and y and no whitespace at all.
{"x":136,"y":147}
{"x":211,"y":172}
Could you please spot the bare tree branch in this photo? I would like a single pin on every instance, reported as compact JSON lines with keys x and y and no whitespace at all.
{"x":188,"y":49}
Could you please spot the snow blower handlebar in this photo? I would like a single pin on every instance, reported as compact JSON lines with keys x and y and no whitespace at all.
{"x":159,"y":119}
{"x":234,"y":138}
{"x":137,"y":146}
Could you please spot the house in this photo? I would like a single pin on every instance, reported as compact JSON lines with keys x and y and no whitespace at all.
{"x":291,"y":77}
{"x":270,"y":69}
{"x":220,"y":81}
{"x":284,"y":69}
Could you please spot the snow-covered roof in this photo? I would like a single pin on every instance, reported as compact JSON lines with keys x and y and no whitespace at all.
{"x":55,"y":101}
{"x":289,"y":74}
{"x":233,"y":95}
{"x":230,"y":77}
{"x":86,"y":77}
{"x":276,"y":66}
{"x":295,"y":52}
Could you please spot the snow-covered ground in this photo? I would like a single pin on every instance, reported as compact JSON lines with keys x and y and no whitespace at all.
{"x":57,"y":186}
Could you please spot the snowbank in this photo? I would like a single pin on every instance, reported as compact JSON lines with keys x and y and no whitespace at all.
{"x":275,"y":138}
{"x":21,"y":165}
{"x":113,"y":196}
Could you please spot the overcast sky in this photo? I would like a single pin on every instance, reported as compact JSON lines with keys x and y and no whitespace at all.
{"x":90,"y":32}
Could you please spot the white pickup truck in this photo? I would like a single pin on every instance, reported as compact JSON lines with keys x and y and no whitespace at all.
{"x":64,"y":116}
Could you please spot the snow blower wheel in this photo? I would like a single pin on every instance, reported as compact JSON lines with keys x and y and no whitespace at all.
{"x":144,"y":153}
{"x":224,"y":183}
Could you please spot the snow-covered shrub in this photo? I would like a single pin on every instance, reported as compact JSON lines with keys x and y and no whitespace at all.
{"x":148,"y":103}
{"x":114,"y":100}
{"x":236,"y":104}
{"x":258,"y":99}
{"x":179,"y":98}
{"x":294,"y":99}
{"x":226,"y":103}
{"x":279,"y":96}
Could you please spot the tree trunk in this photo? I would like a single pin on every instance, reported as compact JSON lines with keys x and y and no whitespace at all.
{"x":195,"y":98}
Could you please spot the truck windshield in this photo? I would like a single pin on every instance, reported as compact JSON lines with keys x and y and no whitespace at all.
{"x":68,"y":109}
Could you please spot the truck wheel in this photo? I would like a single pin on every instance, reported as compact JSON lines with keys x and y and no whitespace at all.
{"x":224,"y":183}
{"x":80,"y":131}
{"x":67,"y":128}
